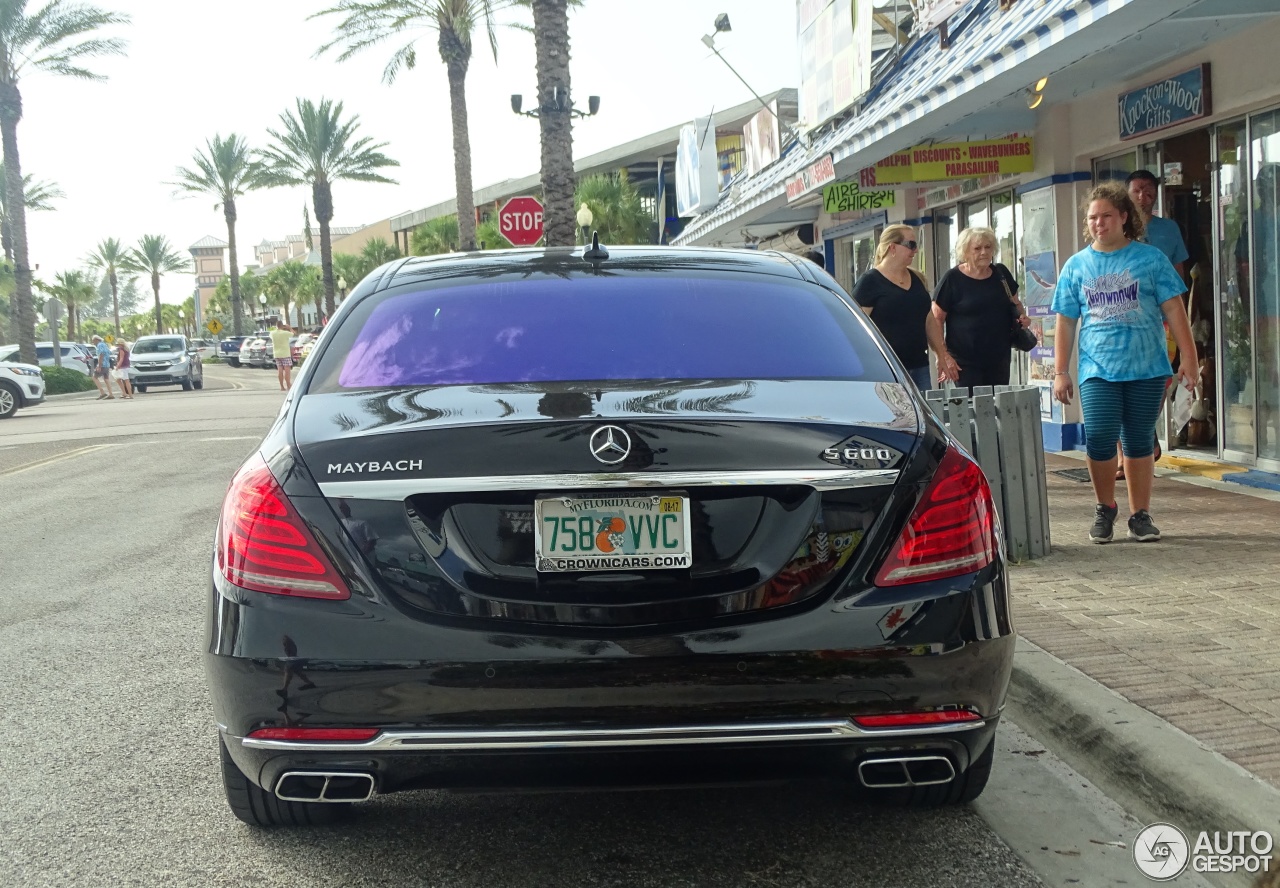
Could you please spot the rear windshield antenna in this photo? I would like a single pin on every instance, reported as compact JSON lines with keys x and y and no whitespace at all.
{"x":596,"y":252}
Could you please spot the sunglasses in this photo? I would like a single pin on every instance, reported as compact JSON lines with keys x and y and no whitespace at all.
{"x":910,"y":245}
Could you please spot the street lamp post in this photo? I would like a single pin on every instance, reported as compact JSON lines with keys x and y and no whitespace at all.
{"x":182,"y":321}
{"x":262,"y":300}
{"x":585,"y":217}
{"x":342,"y":288}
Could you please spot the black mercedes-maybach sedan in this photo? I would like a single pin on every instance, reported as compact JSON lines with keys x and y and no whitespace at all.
{"x":604,"y":518}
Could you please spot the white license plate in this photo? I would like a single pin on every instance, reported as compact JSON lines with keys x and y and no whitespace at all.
{"x":611,"y":533}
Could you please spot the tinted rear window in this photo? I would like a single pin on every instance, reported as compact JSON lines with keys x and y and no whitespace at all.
{"x":599,"y":328}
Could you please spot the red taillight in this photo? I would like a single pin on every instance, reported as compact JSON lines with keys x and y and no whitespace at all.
{"x":312,"y":735}
{"x":917,"y":719}
{"x":951,"y":532}
{"x":263,"y":544}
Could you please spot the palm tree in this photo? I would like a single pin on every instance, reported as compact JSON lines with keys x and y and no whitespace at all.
{"x":227,"y":170}
{"x":616,"y":210}
{"x":154,"y":256}
{"x":377,"y":252}
{"x":47,"y":40}
{"x":351,"y":268}
{"x":317,"y":148}
{"x":72,"y":288}
{"x":435,"y":236}
{"x":310,"y":287}
{"x":368,"y":23}
{"x":109,"y":258}
{"x":282,"y":284}
{"x":551,"y":49}
{"x":35,"y":196}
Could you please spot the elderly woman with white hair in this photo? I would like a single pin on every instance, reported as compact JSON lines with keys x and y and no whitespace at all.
{"x":976,"y":303}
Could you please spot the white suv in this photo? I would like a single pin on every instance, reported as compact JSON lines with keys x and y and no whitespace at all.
{"x":165,"y":359}
{"x":21,"y":385}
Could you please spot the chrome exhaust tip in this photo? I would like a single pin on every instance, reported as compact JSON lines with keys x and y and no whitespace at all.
{"x":913,"y":770}
{"x":325,"y":786}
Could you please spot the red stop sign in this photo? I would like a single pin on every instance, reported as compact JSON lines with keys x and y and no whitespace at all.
{"x":520,"y":221}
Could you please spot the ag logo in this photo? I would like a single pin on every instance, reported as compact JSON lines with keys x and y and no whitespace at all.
{"x":1161,"y":852}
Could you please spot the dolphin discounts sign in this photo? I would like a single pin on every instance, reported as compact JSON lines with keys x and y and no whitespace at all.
{"x":951,"y":160}
{"x":1166,"y":103}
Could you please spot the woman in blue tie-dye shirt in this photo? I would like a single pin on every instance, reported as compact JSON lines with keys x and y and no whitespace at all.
{"x":1120,"y":292}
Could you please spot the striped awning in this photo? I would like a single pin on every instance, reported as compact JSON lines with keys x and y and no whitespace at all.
{"x":984,"y":44}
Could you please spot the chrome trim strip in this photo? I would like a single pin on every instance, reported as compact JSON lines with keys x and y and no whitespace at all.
{"x":427,"y":741}
{"x":397,"y":489}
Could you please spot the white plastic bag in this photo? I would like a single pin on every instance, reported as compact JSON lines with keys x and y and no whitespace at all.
{"x":1182,"y":399}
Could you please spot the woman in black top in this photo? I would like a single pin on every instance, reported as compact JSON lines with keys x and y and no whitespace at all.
{"x":896,"y":299}
{"x":972,"y":303}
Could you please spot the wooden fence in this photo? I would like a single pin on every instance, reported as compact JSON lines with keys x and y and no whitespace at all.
{"x":1000,"y":427}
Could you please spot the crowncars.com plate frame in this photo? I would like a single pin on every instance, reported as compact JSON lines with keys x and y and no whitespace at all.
{"x":628,"y":532}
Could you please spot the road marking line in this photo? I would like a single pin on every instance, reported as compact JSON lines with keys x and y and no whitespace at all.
{"x":237,"y":438}
{"x":81,"y":451}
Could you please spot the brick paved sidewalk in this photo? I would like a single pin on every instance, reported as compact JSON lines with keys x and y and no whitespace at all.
{"x":1188,"y":628}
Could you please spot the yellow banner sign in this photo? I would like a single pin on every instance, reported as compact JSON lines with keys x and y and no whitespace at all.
{"x":847,"y":197}
{"x":951,"y":160}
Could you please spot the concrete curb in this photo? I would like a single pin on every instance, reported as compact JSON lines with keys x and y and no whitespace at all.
{"x":1152,"y":769}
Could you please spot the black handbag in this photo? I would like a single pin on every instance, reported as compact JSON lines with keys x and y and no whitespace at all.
{"x":1020,"y":337}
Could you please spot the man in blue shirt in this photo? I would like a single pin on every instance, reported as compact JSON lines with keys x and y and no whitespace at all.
{"x":1161,"y":232}
{"x":102,"y":372}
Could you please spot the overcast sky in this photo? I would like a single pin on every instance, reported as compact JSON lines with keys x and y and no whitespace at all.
{"x":113,"y":146}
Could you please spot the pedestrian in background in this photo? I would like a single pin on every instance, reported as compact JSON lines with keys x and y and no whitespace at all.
{"x":896,"y":299}
{"x":280,"y":337}
{"x":1120,"y":292}
{"x":102,"y":368}
{"x":120,"y":373}
{"x":976,"y":302}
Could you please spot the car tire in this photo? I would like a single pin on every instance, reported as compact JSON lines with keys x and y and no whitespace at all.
{"x":234,"y":362}
{"x":186,"y":383}
{"x":199,"y":383}
{"x":10,"y":400}
{"x":139,"y":388}
{"x":257,"y":807}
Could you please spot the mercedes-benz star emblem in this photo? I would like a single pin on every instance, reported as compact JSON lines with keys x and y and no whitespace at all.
{"x":610,"y":444}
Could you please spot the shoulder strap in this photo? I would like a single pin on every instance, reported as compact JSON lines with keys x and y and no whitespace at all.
{"x":1003,"y":273}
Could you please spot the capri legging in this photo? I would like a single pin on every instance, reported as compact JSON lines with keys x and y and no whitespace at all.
{"x":1124,"y":411}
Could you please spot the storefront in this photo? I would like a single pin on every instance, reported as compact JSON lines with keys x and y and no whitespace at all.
{"x":1216,"y":148}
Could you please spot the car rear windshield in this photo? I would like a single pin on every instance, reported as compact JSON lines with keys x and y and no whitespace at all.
{"x":600,"y":328}
{"x":156,"y":346}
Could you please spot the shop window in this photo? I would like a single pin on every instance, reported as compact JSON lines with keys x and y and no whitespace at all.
{"x":976,"y":214}
{"x":945,"y":233}
{"x":1264,"y":242}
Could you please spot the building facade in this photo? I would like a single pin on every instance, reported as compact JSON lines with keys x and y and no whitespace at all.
{"x":1004,"y":114}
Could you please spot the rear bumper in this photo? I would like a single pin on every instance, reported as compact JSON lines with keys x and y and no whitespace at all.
{"x":593,"y":759}
{"x":765,"y":701}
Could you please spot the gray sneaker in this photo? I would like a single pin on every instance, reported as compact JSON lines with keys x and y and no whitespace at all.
{"x":1103,"y":523}
{"x":1141,"y":528}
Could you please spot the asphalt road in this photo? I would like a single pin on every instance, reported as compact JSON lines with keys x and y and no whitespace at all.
{"x":108,"y":764}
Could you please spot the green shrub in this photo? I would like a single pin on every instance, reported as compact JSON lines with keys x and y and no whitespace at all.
{"x":60,"y":381}
{"x":212,"y":359}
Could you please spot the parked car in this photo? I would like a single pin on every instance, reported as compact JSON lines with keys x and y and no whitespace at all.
{"x":165,"y":359}
{"x":668,"y":515}
{"x":307,"y":347}
{"x":298,"y":347}
{"x":74,"y":355}
{"x":21,"y":385}
{"x":252,"y":351}
{"x":206,"y":348}
{"x":229,"y":348}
